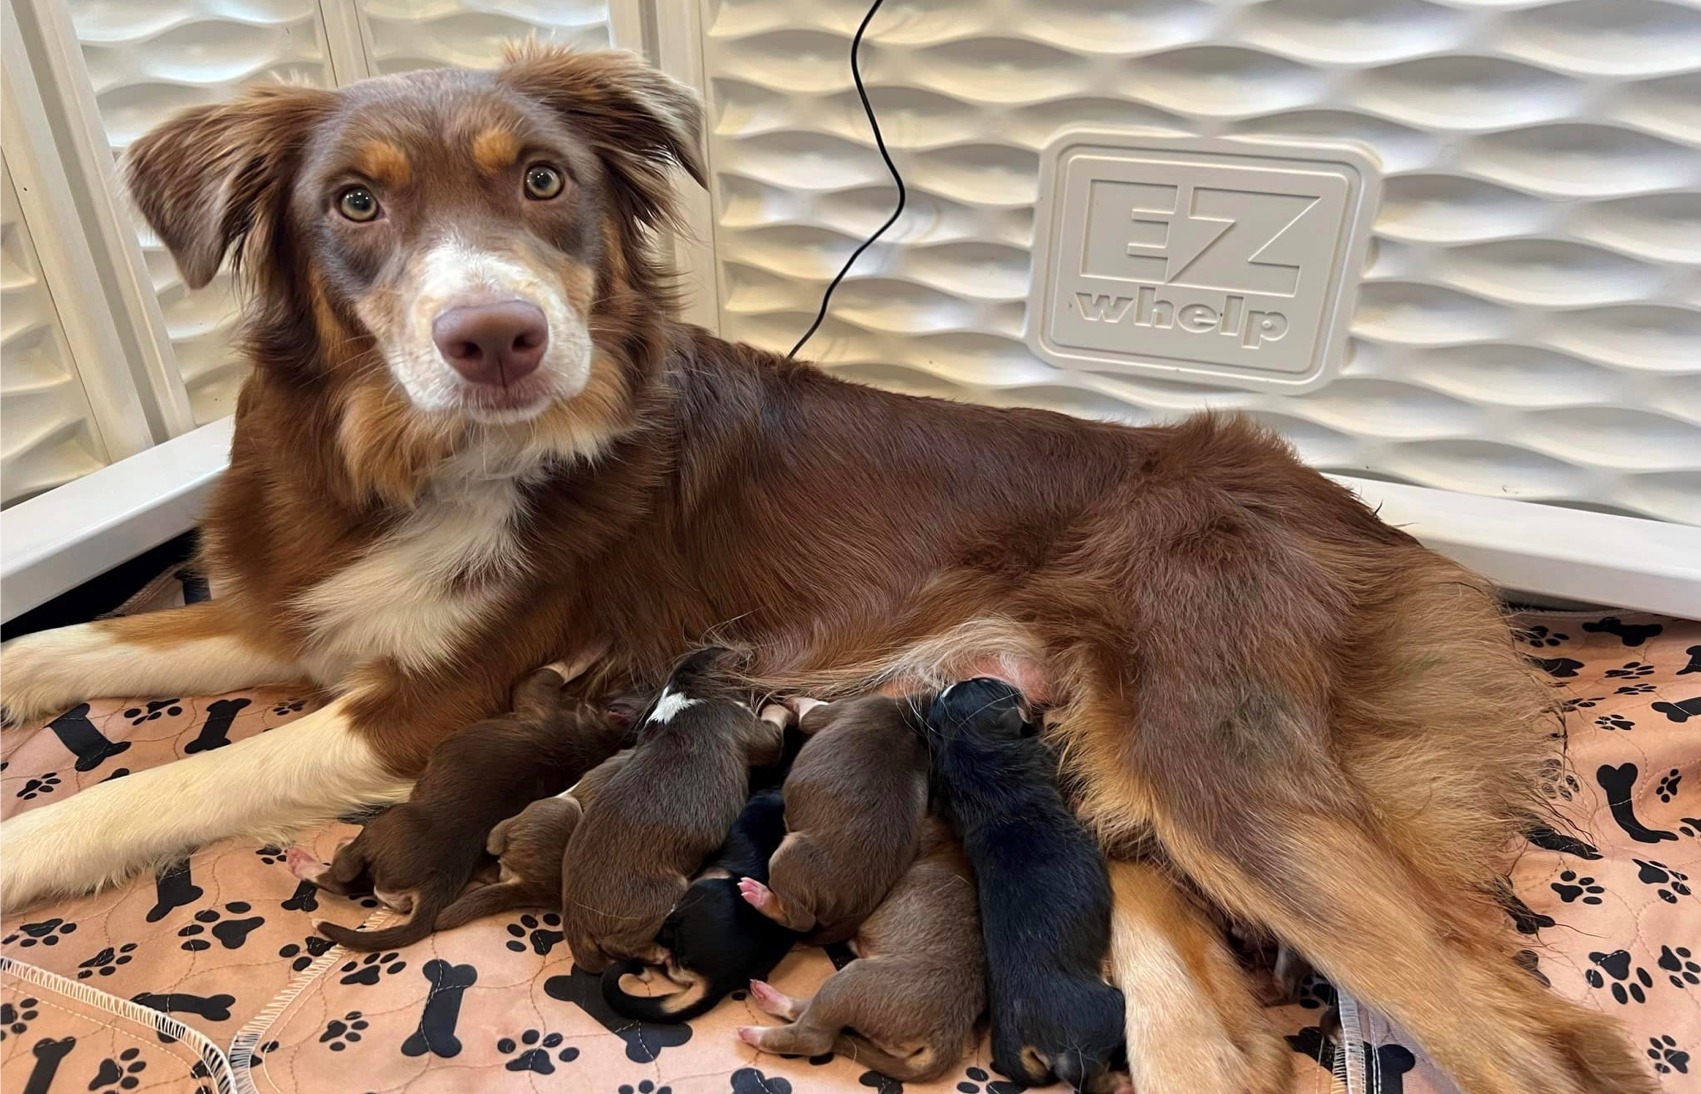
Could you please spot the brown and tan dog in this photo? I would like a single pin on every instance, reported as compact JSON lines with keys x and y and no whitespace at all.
{"x":476,"y":434}
{"x":418,"y":855}
{"x":908,"y":1004}
{"x":648,"y":827}
{"x":855,"y":800}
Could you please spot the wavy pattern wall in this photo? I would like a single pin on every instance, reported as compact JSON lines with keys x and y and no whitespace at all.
{"x":1529,"y":324}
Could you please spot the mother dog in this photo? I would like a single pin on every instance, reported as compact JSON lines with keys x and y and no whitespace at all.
{"x":476,"y":439}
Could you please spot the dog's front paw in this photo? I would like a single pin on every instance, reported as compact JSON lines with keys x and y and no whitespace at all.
{"x":32,"y":680}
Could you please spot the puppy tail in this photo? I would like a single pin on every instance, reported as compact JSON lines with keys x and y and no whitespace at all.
{"x":681,"y":1006}
{"x":487,"y":900}
{"x":921,"y":1066}
{"x":428,"y":905}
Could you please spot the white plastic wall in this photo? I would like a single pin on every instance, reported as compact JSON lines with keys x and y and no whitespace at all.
{"x":1529,"y":325}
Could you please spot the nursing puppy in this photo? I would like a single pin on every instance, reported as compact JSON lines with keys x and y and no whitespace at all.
{"x":908,"y":1004}
{"x":670,"y":805}
{"x":417,"y":856}
{"x":1045,"y":899}
{"x":714,"y":940}
{"x":528,"y":848}
{"x":854,"y":804}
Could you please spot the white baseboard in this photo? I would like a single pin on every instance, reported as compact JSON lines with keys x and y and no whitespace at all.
{"x":57,"y":541}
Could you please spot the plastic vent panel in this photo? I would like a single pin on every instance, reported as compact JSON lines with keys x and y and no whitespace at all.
{"x":1529,"y":321}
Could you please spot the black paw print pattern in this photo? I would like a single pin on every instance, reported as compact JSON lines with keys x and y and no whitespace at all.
{"x":230,"y":933}
{"x":644,"y":1087}
{"x":15,"y":1020}
{"x":304,"y":953}
{"x":1614,"y":721}
{"x":1580,"y":703}
{"x":289,"y":706}
{"x":1669,"y":884}
{"x":40,"y":785}
{"x":1570,"y":887}
{"x":1628,"y":981}
{"x":748,"y":1080}
{"x":979,"y":1081}
{"x":1540,"y":637}
{"x":106,"y":962}
{"x":1680,"y":963}
{"x":343,"y":1032}
{"x":543,"y":935}
{"x":1667,"y":1058}
{"x":1556,"y":781}
{"x":368,"y":969}
{"x":531,"y":1051}
{"x":270,"y":855}
{"x":46,"y":933}
{"x":122,"y":1073}
{"x":1630,"y":670}
{"x":1667,"y":786}
{"x":153,"y":711}
{"x":1634,"y":689}
{"x":257,"y":1055}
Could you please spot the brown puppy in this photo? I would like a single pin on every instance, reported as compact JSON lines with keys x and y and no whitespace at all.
{"x":529,"y":848}
{"x":907,"y":1005}
{"x":667,"y":808}
{"x":418,"y":855}
{"x":855,"y":800}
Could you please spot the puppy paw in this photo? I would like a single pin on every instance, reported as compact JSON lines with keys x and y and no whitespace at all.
{"x":304,"y":866}
{"x":777,"y":714}
{"x":801,"y":705}
{"x":770,"y":1000}
{"x":760,"y":897}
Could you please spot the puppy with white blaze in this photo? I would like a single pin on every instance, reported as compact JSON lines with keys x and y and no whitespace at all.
{"x":477,"y":439}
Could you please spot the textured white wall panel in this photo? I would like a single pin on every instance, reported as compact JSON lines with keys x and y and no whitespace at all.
{"x":407,"y":34}
{"x":48,"y":432}
{"x":148,"y":59}
{"x":1529,"y":324}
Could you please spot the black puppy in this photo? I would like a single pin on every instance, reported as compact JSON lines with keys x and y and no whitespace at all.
{"x":1045,"y":899}
{"x":715,"y":940}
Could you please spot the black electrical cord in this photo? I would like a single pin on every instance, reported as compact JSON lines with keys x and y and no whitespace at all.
{"x":880,"y":143}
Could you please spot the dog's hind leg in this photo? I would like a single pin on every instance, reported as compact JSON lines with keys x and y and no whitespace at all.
{"x":266,"y":786}
{"x":1193,"y":1023}
{"x":195,"y":650}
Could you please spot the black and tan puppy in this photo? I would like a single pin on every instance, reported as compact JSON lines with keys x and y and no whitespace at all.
{"x":907,"y":1006}
{"x":417,"y":856}
{"x":715,"y":941}
{"x":854,"y":804}
{"x":648,"y":830}
{"x":1045,"y":898}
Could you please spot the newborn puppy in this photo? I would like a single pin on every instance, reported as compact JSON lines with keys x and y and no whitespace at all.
{"x":855,"y":799}
{"x":528,"y":848}
{"x":417,"y":856}
{"x":908,"y":1004}
{"x":1045,"y":898}
{"x":646,"y":832}
{"x":715,"y":941}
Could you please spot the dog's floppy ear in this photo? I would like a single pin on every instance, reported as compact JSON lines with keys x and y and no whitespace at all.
{"x":211,"y":175}
{"x":637,"y":119}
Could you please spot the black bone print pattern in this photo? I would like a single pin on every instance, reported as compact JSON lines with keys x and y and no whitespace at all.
{"x":173,"y":889}
{"x":442,"y":1012}
{"x":215,"y":731}
{"x":49,"y":1053}
{"x":214,"y":1008}
{"x":1620,"y":786}
{"x":84,"y":740}
{"x":1680,"y":712}
{"x":748,"y":1080}
{"x":1631,"y":634}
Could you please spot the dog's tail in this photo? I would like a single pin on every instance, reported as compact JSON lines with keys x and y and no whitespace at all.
{"x":487,"y":900}
{"x":698,"y":997}
{"x":921,"y":1066}
{"x":428,"y":905}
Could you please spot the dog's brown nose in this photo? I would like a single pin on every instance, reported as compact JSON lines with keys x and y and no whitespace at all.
{"x":492,"y":343}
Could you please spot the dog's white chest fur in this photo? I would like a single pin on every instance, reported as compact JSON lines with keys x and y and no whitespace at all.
{"x":424,"y":585}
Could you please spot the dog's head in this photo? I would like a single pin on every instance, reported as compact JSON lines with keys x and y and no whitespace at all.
{"x":463,"y":249}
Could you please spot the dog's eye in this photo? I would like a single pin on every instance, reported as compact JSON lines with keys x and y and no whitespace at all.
{"x":358,"y":204}
{"x":543,"y":182}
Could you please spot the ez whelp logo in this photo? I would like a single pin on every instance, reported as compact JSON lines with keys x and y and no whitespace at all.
{"x":1181,"y":256}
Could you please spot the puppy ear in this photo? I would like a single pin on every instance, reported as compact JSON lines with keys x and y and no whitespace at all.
{"x":212,"y":175}
{"x":638,"y":119}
